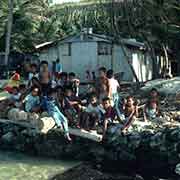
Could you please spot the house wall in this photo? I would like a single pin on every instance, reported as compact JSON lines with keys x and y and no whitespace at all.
{"x":104,"y":61}
{"x":50,"y":54}
{"x":143,"y":65}
{"x":141,"y":62}
{"x":120,"y":64}
{"x":65,"y":59}
{"x":84,"y":57}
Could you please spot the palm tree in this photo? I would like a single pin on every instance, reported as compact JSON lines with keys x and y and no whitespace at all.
{"x":9,"y":29}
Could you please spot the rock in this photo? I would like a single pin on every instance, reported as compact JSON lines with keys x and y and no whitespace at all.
{"x":135,"y":140}
{"x":22,"y":115}
{"x":45,"y":124}
{"x":8,"y":137}
{"x":44,"y":114}
{"x":33,"y":116}
{"x":13,"y":114}
{"x":177,"y":170}
{"x":156,"y":140}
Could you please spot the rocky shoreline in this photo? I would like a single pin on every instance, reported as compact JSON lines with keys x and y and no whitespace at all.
{"x":149,"y":148}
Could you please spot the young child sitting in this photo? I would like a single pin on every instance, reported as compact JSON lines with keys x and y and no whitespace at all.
{"x":154,"y":94}
{"x":12,"y":100}
{"x":91,"y":115}
{"x":151,"y":109}
{"x":130,"y":110}
{"x":109,"y":114}
{"x":15,"y":95}
{"x":70,"y":105}
{"x":32,"y":101}
{"x":54,"y":111}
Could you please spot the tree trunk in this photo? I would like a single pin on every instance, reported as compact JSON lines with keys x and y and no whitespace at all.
{"x":9,"y":29}
{"x":166,"y":56}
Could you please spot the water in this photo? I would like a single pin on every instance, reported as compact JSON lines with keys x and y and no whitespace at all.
{"x":17,"y":166}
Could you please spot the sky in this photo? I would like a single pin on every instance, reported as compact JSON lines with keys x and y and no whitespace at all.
{"x":63,"y":1}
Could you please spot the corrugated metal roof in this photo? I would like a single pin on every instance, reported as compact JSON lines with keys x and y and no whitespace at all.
{"x":43,"y":45}
{"x":80,"y":37}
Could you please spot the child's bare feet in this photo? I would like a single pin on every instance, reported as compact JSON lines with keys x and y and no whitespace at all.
{"x":124,"y":131}
{"x":68,"y":137}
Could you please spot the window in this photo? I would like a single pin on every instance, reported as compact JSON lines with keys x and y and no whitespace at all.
{"x":104,"y":49}
{"x":66,"y":49}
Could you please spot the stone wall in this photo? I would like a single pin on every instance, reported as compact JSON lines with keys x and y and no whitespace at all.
{"x":153,"y":148}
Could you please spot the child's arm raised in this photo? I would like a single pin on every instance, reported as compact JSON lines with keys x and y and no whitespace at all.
{"x":144,"y":113}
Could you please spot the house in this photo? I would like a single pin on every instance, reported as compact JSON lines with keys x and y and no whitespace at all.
{"x":89,"y":51}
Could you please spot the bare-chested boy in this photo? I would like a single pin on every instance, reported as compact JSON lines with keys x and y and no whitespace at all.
{"x":102,"y":85}
{"x":44,"y":77}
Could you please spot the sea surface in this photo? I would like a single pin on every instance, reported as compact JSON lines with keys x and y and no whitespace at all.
{"x":17,"y":166}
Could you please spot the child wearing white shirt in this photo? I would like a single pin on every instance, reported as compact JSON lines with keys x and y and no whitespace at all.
{"x":91,"y":115}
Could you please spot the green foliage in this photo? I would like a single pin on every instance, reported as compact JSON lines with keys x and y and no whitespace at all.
{"x":154,"y":21}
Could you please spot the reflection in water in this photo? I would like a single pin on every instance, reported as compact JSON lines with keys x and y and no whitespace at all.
{"x":16,"y":166}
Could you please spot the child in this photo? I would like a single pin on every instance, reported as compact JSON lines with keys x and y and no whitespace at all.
{"x":75,"y":87}
{"x":58,"y":68}
{"x":15,"y":95}
{"x":54,"y":111}
{"x":151,"y":110}
{"x":13,"y":82}
{"x":32,"y":101}
{"x":33,"y":72}
{"x":35,"y":82}
{"x":62,"y":79}
{"x":130,"y":110}
{"x":114,"y":86}
{"x":154,"y":94}
{"x":102,"y":84}
{"x":109,"y":114}
{"x":44,"y":77}
{"x":91,"y":115}
{"x":70,"y":105}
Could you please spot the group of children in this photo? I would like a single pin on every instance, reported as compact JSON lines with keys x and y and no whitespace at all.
{"x":59,"y":96}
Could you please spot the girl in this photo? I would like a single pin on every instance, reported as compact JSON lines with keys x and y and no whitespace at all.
{"x":151,"y":109}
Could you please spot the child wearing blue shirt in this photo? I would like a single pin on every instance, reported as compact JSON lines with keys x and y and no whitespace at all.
{"x":32,"y":101}
{"x":54,"y":111}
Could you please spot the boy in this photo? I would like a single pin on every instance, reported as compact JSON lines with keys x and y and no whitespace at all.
{"x":70,"y":105}
{"x":54,"y":111}
{"x":32,"y":101}
{"x":91,"y":115}
{"x":63,"y":78}
{"x":102,"y":84}
{"x":33,"y":72}
{"x":114,"y":86}
{"x":58,"y":68}
{"x":109,"y":114}
{"x":44,"y":77}
{"x":130,"y":110}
